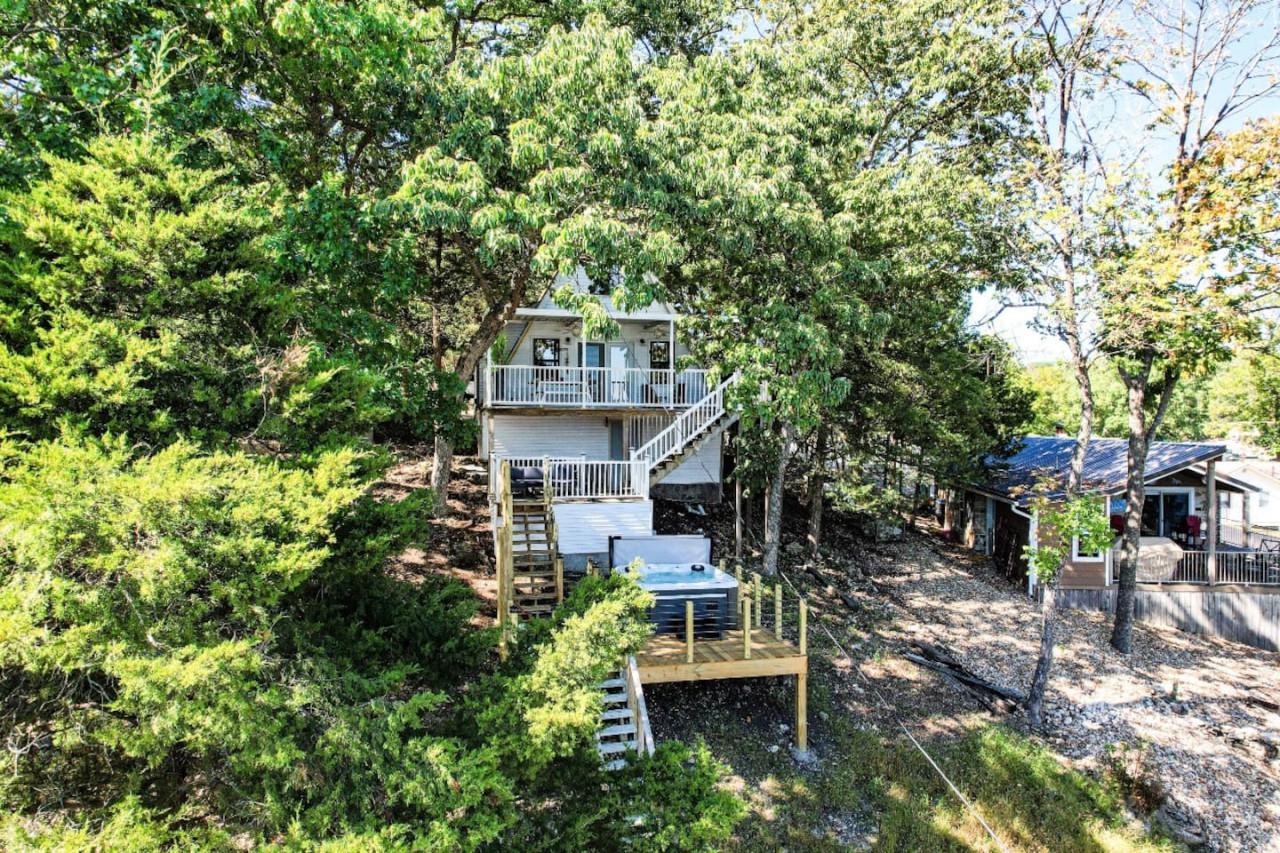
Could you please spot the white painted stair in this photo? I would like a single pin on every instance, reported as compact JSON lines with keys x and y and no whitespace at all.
{"x":691,"y":430}
{"x":624,"y":721}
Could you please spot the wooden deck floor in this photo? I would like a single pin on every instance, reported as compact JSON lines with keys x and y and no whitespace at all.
{"x":663,"y":659}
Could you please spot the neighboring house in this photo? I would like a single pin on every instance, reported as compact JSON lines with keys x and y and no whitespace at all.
{"x":1178,"y":527}
{"x":1241,"y":510}
{"x":609,"y":424}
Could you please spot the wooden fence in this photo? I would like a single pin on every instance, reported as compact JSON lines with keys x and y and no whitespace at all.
{"x":1252,"y":618}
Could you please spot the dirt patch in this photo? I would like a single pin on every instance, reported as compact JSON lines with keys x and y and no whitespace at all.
{"x":1189,"y":704}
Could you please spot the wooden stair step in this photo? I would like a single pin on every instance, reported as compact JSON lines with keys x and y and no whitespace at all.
{"x":614,"y":748}
{"x":615,"y":698}
{"x":625,"y":730}
{"x":611,"y":683}
{"x":616,"y":714}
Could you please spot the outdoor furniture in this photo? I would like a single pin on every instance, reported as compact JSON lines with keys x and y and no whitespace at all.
{"x":563,"y":391}
{"x":526,"y":481}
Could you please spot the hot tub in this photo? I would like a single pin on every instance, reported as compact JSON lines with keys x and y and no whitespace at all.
{"x":714,"y":595}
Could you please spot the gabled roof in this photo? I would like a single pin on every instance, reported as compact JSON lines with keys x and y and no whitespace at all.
{"x":1105,"y":466}
{"x":1263,"y":474}
{"x":544,"y":305}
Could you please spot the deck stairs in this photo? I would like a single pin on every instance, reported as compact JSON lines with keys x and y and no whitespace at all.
{"x":688,"y":433}
{"x":624,"y":722}
{"x":535,"y":583}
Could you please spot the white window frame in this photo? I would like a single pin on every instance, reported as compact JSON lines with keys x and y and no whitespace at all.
{"x":1101,"y":556}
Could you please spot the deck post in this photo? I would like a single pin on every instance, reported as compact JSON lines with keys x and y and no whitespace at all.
{"x":746,"y":628}
{"x":559,"y":580}
{"x":777,"y":611}
{"x":1211,"y":510}
{"x":804,"y":627}
{"x":802,"y":712}
{"x":737,"y":515}
{"x":688,"y":631}
{"x":759,"y":596}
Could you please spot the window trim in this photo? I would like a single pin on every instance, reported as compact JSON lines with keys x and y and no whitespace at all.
{"x":665,"y":345}
{"x":1077,"y":557}
{"x":537,"y":347}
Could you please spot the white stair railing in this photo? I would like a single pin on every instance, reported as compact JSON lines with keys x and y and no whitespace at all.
{"x":687,"y":426}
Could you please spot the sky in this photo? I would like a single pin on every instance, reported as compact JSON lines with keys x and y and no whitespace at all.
{"x":1124,"y":117}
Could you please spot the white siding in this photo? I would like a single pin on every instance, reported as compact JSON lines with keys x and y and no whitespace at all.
{"x":516,"y":436}
{"x":701,"y":467}
{"x":585,"y":527}
{"x":630,"y":336}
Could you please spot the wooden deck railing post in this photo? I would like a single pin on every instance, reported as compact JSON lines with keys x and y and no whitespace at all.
{"x":777,"y":611}
{"x":559,"y":580}
{"x":746,"y":629}
{"x":688,"y":631}
{"x":759,"y":596}
{"x":804,"y":626}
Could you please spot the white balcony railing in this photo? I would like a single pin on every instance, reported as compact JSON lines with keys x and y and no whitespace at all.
{"x":512,"y":385}
{"x":1260,"y":568}
{"x":573,"y":479}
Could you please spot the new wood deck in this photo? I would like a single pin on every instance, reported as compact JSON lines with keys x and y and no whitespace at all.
{"x":665,"y":658}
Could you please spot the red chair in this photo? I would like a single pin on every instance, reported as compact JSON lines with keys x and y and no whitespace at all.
{"x":1117,"y":523}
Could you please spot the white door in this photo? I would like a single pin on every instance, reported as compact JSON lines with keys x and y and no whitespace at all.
{"x":620,"y":393}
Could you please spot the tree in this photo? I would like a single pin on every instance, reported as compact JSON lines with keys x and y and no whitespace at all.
{"x":1063,"y":519}
{"x":1176,"y":294}
{"x":873,"y":196}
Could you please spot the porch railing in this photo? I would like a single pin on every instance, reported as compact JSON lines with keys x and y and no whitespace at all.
{"x":515,"y":385}
{"x":1259,"y":568}
{"x":579,"y":479}
{"x":1254,"y":538}
{"x":686,"y":427}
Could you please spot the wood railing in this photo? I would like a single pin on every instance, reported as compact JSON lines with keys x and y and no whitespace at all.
{"x":770,"y":609}
{"x":567,"y":479}
{"x":504,"y":552}
{"x":519,"y":385}
{"x":686,"y":427}
{"x":639,"y":710}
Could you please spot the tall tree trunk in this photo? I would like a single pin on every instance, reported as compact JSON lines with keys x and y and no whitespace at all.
{"x":1135,"y":495}
{"x":817,"y":488}
{"x":441,"y":465}
{"x":1044,"y":661}
{"x":1049,"y":604}
{"x":491,"y":325}
{"x":1141,"y":434}
{"x":773,"y":523}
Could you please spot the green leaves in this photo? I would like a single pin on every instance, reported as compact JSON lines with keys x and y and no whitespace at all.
{"x":1062,"y":522}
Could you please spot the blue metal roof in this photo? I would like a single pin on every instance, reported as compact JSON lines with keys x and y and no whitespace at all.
{"x":1105,"y":466}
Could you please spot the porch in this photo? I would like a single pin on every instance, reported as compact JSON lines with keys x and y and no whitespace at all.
{"x":1224,"y":565}
{"x":516,"y":386}
{"x":560,"y":479}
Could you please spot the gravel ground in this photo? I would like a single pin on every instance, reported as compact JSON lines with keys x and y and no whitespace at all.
{"x":1206,"y":708}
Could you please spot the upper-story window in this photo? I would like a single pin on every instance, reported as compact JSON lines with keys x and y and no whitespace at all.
{"x":660,"y":355}
{"x":546,"y":352}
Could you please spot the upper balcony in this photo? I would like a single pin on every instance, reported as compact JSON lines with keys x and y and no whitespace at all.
{"x":512,"y":386}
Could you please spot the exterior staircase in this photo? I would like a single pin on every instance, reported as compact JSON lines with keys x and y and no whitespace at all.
{"x":691,"y":430}
{"x":536,"y":582}
{"x":624,"y":721}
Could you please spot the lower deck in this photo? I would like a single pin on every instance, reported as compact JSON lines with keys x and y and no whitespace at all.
{"x":756,"y":653}
{"x":665,"y":658}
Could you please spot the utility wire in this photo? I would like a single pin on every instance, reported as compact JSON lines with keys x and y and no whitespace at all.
{"x":897,"y":719}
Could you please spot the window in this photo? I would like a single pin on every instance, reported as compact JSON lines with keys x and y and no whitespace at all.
{"x":1076,"y":556}
{"x":660,"y":355}
{"x":546,"y":352}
